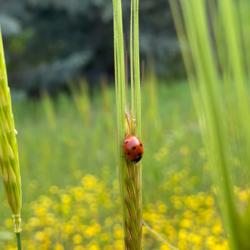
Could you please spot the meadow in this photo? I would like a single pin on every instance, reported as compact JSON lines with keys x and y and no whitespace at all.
{"x":80,"y":150}
{"x":69,"y":173}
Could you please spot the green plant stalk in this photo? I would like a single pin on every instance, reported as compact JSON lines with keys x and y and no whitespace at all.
{"x":9,"y":160}
{"x":194,"y":29}
{"x":120,"y":94}
{"x":235,"y":56}
{"x":134,"y":183}
{"x":132,"y":80}
{"x":136,"y":62}
{"x":82,"y":102}
{"x":152,"y":95}
{"x":128,"y":123}
{"x":19,"y":241}
{"x":49,"y":110}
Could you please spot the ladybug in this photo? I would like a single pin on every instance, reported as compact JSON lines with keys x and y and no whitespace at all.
{"x":133,"y":148}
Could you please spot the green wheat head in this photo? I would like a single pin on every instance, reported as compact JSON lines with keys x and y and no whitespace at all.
{"x":9,"y":162}
{"x":128,"y":122}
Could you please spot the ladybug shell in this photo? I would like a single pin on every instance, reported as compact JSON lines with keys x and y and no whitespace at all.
{"x":133,"y":148}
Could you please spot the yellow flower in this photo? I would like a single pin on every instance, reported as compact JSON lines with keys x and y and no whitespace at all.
{"x":162,"y":208}
{"x":66,"y":199}
{"x":78,"y":194}
{"x":92,"y":230}
{"x":93,"y":246}
{"x":209,"y":201}
{"x":176,"y":201}
{"x":89,"y":182}
{"x":182,"y":235}
{"x":217,"y":229}
{"x":59,"y":246}
{"x":77,"y":239}
{"x":244,"y":195}
{"x":211,"y":242}
{"x":118,"y":233}
{"x":165,"y":247}
{"x":8,"y":223}
{"x":79,"y":248}
{"x":195,"y":239}
{"x":118,"y":245}
{"x":105,"y":237}
{"x":186,"y":223}
{"x":41,"y":211}
{"x":40,"y":236}
{"x":68,"y":229}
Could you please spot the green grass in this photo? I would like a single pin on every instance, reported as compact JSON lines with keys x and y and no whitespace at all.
{"x":216,"y":58}
{"x":82,"y":141}
{"x":64,"y":139}
{"x":61,"y":155}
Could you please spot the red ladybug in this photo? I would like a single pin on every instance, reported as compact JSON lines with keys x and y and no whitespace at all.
{"x":133,"y":148}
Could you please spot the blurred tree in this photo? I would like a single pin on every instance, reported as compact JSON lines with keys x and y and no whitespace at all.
{"x":50,"y":42}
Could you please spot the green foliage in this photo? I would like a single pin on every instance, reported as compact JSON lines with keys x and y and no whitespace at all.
{"x":218,"y":75}
{"x":17,"y":45}
{"x":51,"y":34}
{"x":61,"y":156}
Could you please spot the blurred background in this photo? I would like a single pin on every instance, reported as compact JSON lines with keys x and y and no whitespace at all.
{"x":67,"y":143}
{"x":50,"y":43}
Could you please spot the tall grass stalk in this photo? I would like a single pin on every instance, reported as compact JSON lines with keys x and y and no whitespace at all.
{"x":152,"y":95}
{"x":82,"y":100}
{"x":49,"y":110}
{"x":128,"y":123}
{"x":9,"y":162}
{"x":213,"y":43}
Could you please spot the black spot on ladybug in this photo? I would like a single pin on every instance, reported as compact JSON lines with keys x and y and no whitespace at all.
{"x":141,"y":144}
{"x":134,"y":148}
{"x":126,"y":142}
{"x":137,"y":158}
{"x":128,"y":153}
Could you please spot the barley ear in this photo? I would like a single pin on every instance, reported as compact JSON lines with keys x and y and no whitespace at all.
{"x":9,"y":162}
{"x":129,"y":172}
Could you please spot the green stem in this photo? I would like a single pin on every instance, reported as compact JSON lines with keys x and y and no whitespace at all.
{"x":19,"y":241}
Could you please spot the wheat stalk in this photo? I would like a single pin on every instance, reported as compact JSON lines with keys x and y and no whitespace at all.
{"x":9,"y":162}
{"x":128,"y":123}
{"x":214,"y":43}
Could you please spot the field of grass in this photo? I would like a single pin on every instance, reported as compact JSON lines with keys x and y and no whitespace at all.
{"x":69,"y":174}
{"x":71,"y":154}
